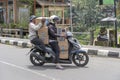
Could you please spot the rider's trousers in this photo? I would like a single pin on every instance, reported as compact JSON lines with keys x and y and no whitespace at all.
{"x":39,"y":42}
{"x":56,"y":49}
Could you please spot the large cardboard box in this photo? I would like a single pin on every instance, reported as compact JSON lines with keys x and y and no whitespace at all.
{"x":63,"y":45}
{"x":64,"y":54}
{"x":38,"y":20}
{"x":43,"y":34}
{"x":61,"y":31}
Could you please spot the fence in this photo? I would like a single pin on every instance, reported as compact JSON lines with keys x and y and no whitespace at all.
{"x":18,"y":33}
{"x":84,"y":37}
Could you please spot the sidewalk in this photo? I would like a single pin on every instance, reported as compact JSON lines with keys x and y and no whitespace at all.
{"x":91,"y":50}
{"x":102,"y":51}
{"x":24,"y":43}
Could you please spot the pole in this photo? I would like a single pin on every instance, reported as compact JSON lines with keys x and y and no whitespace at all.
{"x":71,"y":16}
{"x":54,"y":8}
{"x":14,"y":10}
{"x":7,"y":11}
{"x":34,"y":7}
{"x":115,"y":23}
{"x":43,"y":11}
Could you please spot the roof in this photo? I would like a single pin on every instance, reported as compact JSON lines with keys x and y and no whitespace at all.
{"x":109,"y":19}
{"x":46,"y":3}
{"x":42,"y":17}
{"x":5,"y":0}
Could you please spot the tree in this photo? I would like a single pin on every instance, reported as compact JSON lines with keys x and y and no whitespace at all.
{"x":86,"y":13}
{"x":118,"y":10}
{"x":30,"y":4}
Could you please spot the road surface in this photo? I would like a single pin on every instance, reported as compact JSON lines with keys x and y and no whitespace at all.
{"x":15,"y":65}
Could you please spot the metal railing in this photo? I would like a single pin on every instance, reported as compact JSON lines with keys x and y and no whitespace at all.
{"x":83,"y":37}
{"x":19,"y":33}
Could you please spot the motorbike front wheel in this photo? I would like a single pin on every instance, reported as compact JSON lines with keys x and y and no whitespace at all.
{"x":80,"y":59}
{"x":35,"y":60}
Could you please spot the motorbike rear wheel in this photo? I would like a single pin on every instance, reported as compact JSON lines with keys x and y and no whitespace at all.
{"x":80,"y":59}
{"x":35,"y":60}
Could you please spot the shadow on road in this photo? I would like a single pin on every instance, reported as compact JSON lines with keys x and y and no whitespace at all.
{"x":45,"y":67}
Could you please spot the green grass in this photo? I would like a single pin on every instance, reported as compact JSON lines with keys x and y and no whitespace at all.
{"x":85,"y":38}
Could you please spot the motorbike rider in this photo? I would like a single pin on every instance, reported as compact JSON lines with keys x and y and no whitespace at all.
{"x":33,"y":36}
{"x":52,"y":32}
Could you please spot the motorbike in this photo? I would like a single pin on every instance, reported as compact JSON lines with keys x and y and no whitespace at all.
{"x":76,"y":55}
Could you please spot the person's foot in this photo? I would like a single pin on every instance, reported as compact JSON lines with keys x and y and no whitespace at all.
{"x":58,"y":66}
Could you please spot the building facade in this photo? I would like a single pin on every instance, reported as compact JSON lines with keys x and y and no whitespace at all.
{"x":52,"y":7}
{"x":11,"y":11}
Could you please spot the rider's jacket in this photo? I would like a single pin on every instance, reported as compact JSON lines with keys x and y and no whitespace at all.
{"x":52,"y":31}
{"x":33,"y":30}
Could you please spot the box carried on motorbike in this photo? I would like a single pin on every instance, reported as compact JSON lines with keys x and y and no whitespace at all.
{"x":63,"y":43}
{"x":70,"y":51}
{"x":43,"y":32}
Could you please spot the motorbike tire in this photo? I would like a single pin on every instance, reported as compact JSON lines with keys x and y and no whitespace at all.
{"x":35,"y":60}
{"x":80,"y":58}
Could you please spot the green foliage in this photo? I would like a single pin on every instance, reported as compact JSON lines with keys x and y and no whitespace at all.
{"x":83,"y":38}
{"x":19,"y":25}
{"x":23,"y":25}
{"x":30,"y":3}
{"x":85,"y":13}
{"x":119,"y":39}
{"x":13,"y":25}
{"x":3,"y":25}
{"x":97,"y":31}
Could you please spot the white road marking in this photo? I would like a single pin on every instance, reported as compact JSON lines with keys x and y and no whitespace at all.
{"x":22,"y":68}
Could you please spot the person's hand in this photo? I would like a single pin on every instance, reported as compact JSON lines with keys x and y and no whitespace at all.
{"x":63,"y":35}
{"x":43,"y":20}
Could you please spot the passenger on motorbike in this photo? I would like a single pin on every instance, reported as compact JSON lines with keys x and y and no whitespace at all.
{"x":33,"y":36}
{"x":52,"y":32}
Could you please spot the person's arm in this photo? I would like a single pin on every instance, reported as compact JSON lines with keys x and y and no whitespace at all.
{"x":36,"y":27}
{"x":52,"y":31}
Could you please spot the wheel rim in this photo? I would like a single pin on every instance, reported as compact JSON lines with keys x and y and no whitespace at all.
{"x":80,"y":58}
{"x":35,"y":60}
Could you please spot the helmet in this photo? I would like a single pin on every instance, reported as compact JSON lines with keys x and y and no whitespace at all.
{"x":69,"y":34}
{"x":54,"y":18}
{"x":32,"y":17}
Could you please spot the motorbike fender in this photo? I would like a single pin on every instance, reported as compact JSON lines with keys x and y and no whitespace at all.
{"x":31,"y":50}
{"x":78,"y":51}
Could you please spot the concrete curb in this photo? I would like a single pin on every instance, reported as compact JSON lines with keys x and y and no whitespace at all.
{"x":90,"y":51}
{"x":103,"y":53}
{"x":22,"y":44}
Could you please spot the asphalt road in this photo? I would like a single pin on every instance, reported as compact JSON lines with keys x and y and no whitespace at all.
{"x":15,"y":65}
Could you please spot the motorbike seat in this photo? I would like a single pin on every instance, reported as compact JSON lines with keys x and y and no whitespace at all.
{"x":47,"y":45}
{"x":38,"y":47}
